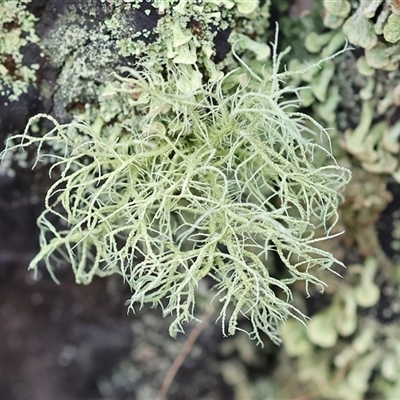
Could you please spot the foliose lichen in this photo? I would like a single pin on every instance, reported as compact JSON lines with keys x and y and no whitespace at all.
{"x":372,"y":25}
{"x":356,"y":352}
{"x":362,"y":117}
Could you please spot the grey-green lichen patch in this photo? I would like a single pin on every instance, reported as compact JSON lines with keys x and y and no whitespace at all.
{"x":81,"y":46}
{"x":382,"y":56}
{"x":17,"y":30}
{"x":90,"y":40}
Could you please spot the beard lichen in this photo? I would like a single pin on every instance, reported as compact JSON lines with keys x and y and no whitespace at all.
{"x":207,"y":184}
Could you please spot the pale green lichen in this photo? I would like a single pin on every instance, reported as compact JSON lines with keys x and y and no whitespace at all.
{"x":340,"y":318}
{"x":211,"y":183}
{"x":194,"y":172}
{"x":17,"y":30}
{"x":391,"y":31}
{"x":346,"y":353}
{"x":181,"y":36}
{"x":370,"y":143}
{"x":371,"y":103}
{"x":360,"y":30}
{"x":369,"y":24}
{"x":340,"y":8}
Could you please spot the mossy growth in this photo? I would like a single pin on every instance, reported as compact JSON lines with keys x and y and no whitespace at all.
{"x":210,"y":183}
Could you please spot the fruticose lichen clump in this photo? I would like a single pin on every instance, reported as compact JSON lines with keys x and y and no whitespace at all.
{"x":202,"y":174}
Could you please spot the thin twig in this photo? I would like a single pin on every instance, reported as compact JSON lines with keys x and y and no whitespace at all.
{"x":190,"y":341}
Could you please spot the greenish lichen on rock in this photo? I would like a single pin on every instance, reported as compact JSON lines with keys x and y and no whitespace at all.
{"x":17,"y":30}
